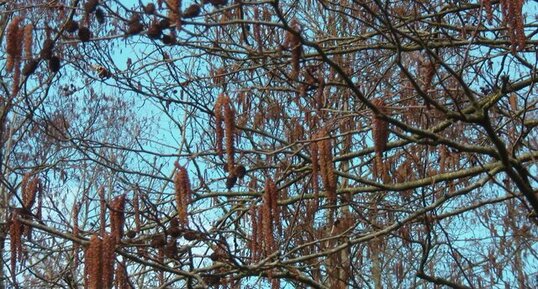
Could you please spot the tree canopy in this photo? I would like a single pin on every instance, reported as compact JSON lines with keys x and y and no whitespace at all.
{"x":256,"y":144}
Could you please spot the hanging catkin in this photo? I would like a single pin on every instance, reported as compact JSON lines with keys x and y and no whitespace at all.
{"x":93,"y":269}
{"x":102,"y":212}
{"x":326,"y":166}
{"x":108,"y":258}
{"x":76,"y":232}
{"x":117,"y":217}
{"x":99,"y":260}
{"x":229,"y":125}
{"x":28,"y":40}
{"x":15,"y":233}
{"x":136,"y":208}
{"x":380,"y":134}
{"x":183,"y":194}
{"x":253,"y":213}
{"x":224,"y":113}
{"x":315,"y":173}
{"x":219,"y":131}
{"x":13,"y":43}
{"x":269,"y":211}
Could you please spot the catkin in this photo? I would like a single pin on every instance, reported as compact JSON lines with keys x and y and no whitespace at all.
{"x":13,"y":43}
{"x":28,"y":40}
{"x":15,"y":234}
{"x":108,"y":258}
{"x":380,"y":134}
{"x":229,"y":126}
{"x":117,"y":217}
{"x":99,"y":261}
{"x":253,"y":212}
{"x":326,"y":166}
{"x":512,"y":11}
{"x":136,"y":208}
{"x":219,"y":131}
{"x":183,"y":193}
{"x":224,"y":113}
{"x":76,"y":232}
{"x":93,"y":269}
{"x":102,"y":212}
{"x":269,"y":212}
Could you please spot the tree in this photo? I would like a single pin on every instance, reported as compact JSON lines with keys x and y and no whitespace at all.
{"x":300,"y":144}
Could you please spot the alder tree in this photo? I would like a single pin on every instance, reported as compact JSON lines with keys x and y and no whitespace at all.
{"x":268,"y":144}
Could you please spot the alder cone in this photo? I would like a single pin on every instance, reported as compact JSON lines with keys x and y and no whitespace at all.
{"x":90,"y":6}
{"x":169,"y":39}
{"x":154,"y":31}
{"x":158,"y":241}
{"x":170,"y":250}
{"x":191,"y":235}
{"x":216,"y":2}
{"x":30,"y":67}
{"x":174,"y":232}
{"x":71,"y":26}
{"x":131,"y":234}
{"x":164,"y":23}
{"x":100,"y":15}
{"x":84,"y":34}
{"x":135,"y":28}
{"x":149,"y":8}
{"x":240,"y":171}
{"x":231,"y":180}
{"x":192,"y":11}
{"x":54,"y":64}
{"x":212,"y":280}
{"x":48,"y":47}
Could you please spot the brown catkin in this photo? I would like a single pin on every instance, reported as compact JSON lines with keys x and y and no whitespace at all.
{"x":93,"y":265}
{"x":512,"y":11}
{"x":117,"y":217}
{"x":13,"y":43}
{"x":253,"y":212}
{"x":260,"y":236}
{"x":15,"y":234}
{"x":380,"y":135}
{"x":28,"y":40}
{"x":30,"y":193}
{"x":102,"y":212}
{"x":108,"y":258}
{"x":229,"y":129}
{"x":183,"y":194}
{"x":16,"y":77}
{"x":293,"y":42}
{"x":268,"y":218}
{"x":326,"y":166}
{"x":136,"y":208}
{"x":76,"y":232}
{"x":224,"y":113}
{"x":273,"y":191}
{"x":219,"y":131}
{"x":315,"y":169}
{"x":121,"y":281}
{"x":24,"y":185}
